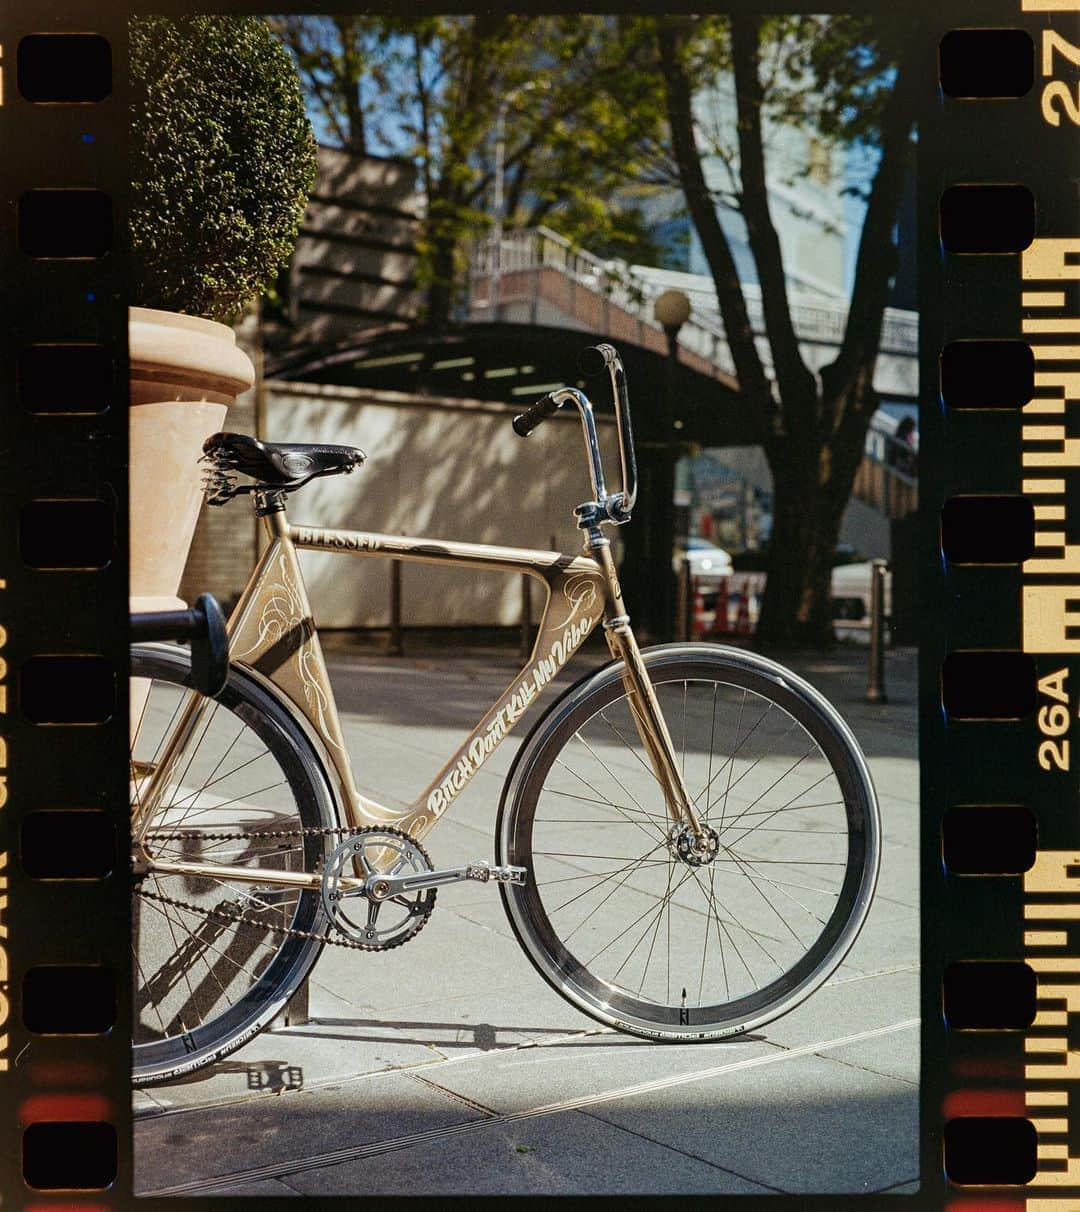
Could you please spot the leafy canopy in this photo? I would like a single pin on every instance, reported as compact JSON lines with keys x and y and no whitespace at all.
{"x":583,"y":119}
{"x":223,"y":159}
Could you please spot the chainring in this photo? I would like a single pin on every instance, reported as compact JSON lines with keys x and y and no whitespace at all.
{"x":376,"y":925}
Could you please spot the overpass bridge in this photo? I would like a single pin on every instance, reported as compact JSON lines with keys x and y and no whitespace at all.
{"x":542,"y":279}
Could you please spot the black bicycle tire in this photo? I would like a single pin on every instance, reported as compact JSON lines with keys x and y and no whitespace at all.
{"x":537,"y":753}
{"x":163,"y":1061}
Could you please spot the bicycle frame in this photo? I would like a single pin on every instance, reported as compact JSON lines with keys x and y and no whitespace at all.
{"x":273,"y":637}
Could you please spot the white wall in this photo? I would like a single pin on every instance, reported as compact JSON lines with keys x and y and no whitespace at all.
{"x":437,"y":468}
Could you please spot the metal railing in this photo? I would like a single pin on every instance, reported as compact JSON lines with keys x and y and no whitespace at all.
{"x":886,"y":480}
{"x":541,"y":248}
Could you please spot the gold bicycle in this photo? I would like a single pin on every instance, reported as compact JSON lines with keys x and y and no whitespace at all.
{"x":686,"y":845}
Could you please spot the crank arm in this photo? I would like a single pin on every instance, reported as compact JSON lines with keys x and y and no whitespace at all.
{"x":380,"y":887}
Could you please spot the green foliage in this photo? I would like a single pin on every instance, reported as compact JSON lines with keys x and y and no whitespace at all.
{"x":826,"y":75}
{"x":223,"y":159}
{"x":583,"y":120}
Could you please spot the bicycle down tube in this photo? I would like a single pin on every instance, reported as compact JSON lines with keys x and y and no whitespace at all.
{"x":271,"y":633}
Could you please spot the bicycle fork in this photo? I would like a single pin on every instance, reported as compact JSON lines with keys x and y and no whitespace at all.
{"x":644,"y":705}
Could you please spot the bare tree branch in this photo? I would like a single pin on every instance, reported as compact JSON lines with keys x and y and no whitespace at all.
{"x":424,"y":102}
{"x":350,"y":77}
{"x":753,"y":382}
{"x":794,"y":379}
{"x":876,"y":260}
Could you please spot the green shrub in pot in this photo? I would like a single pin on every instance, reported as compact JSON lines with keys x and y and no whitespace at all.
{"x":222,"y":161}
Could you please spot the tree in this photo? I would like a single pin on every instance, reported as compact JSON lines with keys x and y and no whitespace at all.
{"x":430,"y":88}
{"x":333,"y":56}
{"x":852,"y":79}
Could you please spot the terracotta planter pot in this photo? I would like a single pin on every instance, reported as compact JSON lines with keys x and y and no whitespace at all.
{"x":185,"y":372}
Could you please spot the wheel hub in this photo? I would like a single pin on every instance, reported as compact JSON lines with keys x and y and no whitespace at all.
{"x":694,"y":851}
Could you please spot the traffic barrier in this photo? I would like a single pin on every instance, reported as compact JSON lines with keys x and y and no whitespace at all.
{"x":699,"y":620}
{"x":742,"y":615}
{"x":720,"y":620}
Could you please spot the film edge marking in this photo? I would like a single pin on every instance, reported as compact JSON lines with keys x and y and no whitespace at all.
{"x":1050,"y":624}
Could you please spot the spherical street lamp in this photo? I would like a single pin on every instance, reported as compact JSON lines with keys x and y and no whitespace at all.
{"x":671,"y":310}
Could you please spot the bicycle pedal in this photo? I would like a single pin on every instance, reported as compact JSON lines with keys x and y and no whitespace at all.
{"x":501,"y":875}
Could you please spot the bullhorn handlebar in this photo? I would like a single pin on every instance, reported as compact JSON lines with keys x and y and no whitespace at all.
{"x":607,"y":507}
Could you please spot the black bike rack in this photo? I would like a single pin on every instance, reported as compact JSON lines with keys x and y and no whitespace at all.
{"x":204,"y":626}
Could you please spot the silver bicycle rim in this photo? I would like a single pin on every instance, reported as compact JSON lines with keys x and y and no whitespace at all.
{"x":637,"y":938}
{"x":202,"y":987}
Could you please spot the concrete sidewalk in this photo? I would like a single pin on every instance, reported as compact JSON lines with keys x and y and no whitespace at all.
{"x":448,"y":1066}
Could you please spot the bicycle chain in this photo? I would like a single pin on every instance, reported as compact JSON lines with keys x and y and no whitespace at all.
{"x":241,"y":918}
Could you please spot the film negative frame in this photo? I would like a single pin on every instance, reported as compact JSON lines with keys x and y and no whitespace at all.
{"x":981,"y":1085}
{"x":64,"y":425}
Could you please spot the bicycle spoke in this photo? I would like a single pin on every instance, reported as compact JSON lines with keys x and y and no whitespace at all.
{"x":627,"y":868}
{"x":705,"y":945}
{"x":162,"y":909}
{"x":793,"y":808}
{"x":722,"y":924}
{"x":627,"y":929}
{"x":731,"y":759}
{"x":617,"y":808}
{"x":637,"y":756}
{"x":731,"y":767}
{"x":712,"y":746}
{"x":664,"y":904}
{"x":783,"y":807}
{"x":209,"y":781}
{"x":810,"y":913}
{"x":779,"y":915}
{"x":685,"y":691}
{"x":579,"y":737}
{"x":209,"y":954}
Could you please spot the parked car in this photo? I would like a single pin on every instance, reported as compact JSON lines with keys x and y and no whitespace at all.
{"x":851,"y":592}
{"x":706,"y":559}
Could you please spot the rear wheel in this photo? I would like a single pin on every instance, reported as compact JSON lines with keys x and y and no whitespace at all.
{"x":205,"y":983}
{"x":622,"y":916}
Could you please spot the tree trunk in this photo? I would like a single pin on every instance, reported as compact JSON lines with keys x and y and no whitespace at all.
{"x":440,"y":298}
{"x":806,"y":524}
{"x":812,"y":483}
{"x":442,"y":231}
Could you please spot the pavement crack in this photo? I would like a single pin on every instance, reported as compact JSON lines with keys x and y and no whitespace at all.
{"x":866,"y":976}
{"x":868,"y":1069}
{"x":757,"y":1182}
{"x":903,"y":1182}
{"x":553,"y":1041}
{"x":471,"y":1103}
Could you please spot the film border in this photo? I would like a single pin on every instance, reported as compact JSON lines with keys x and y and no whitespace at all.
{"x":972,"y":301}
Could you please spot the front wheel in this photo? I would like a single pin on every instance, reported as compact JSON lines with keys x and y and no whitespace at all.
{"x":653,"y":937}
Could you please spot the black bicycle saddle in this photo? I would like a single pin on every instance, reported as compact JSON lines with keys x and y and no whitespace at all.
{"x":283,"y":466}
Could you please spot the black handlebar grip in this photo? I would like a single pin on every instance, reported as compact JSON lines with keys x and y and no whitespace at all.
{"x":525,"y":422}
{"x":596,"y":359}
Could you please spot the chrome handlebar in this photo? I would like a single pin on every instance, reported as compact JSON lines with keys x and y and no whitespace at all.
{"x":609,"y":507}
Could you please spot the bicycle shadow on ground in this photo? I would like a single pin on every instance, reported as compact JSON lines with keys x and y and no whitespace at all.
{"x":268,"y":1076}
{"x":277,"y":1076}
{"x":484,"y":1036}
